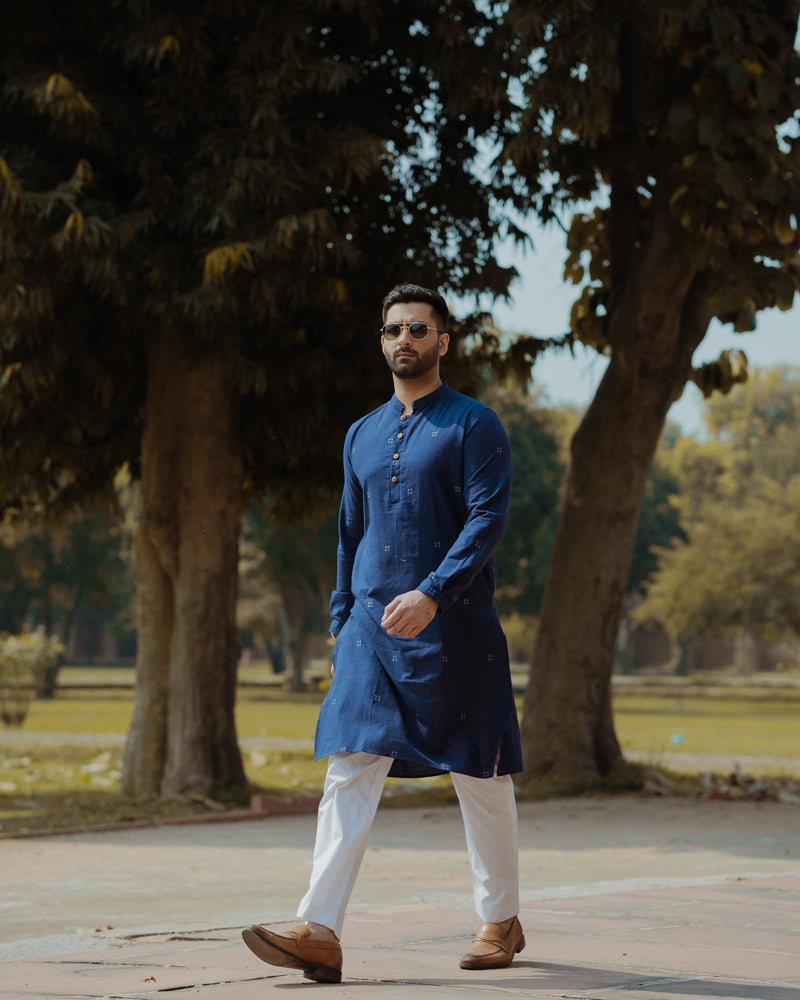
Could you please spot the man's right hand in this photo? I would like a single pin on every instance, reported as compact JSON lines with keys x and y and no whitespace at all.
{"x":408,"y":614}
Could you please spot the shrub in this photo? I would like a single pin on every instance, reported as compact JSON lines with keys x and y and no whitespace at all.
{"x":23,"y":660}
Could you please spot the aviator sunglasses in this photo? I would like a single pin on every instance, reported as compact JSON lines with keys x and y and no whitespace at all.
{"x":418,"y":331}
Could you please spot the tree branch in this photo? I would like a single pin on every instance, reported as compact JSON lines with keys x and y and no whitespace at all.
{"x":624,"y":214}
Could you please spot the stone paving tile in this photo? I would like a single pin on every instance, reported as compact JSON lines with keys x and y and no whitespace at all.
{"x":696,"y":960}
{"x":750,"y":912}
{"x":691,"y":989}
{"x":524,"y":978}
{"x":652,"y":951}
{"x":591,"y":924}
{"x":67,"y":979}
{"x":397,"y":926}
{"x":178,"y":951}
{"x":752,"y":939}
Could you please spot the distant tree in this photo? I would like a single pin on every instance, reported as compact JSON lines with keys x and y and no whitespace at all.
{"x":525,"y":550}
{"x":202,"y":205}
{"x":59,"y":578}
{"x":738,"y":567}
{"x":659,"y":521}
{"x":20,"y":576}
{"x":259,"y":613}
{"x":760,"y":422}
{"x":678,"y":121}
{"x":298,"y":563}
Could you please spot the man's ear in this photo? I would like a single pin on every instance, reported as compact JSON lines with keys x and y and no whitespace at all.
{"x":444,"y":343}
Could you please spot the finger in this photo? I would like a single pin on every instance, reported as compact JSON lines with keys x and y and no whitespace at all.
{"x":392,"y":605}
{"x":393,"y":617}
{"x":398,"y":627}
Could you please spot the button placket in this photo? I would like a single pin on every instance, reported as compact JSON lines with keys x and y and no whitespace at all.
{"x":394,"y":477}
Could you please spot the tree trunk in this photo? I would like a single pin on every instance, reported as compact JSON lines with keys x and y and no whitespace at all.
{"x":182,"y":738}
{"x":679,"y":663}
{"x":622,"y":659}
{"x":295,"y":602}
{"x":746,"y":653}
{"x":297,"y":648}
{"x":660,"y":316}
{"x":47,"y":677}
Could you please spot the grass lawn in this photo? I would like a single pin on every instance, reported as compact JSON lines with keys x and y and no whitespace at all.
{"x":762,"y":727}
{"x":49,"y":783}
{"x":269,"y":712}
{"x":736,"y":727}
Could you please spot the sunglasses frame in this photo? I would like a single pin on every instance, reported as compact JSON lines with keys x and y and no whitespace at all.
{"x":411,"y":329}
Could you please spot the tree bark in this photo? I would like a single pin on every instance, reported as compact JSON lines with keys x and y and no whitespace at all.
{"x":660,"y":316}
{"x":182,"y":738}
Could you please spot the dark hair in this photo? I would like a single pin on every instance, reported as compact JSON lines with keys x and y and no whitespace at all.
{"x":416,"y":293}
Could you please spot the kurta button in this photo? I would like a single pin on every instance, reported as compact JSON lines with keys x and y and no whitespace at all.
{"x":394,"y":479}
{"x":395,"y":456}
{"x":402,"y":416}
{"x":399,"y":435}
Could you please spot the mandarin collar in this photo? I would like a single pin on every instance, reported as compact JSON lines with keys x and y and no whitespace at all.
{"x":423,"y":401}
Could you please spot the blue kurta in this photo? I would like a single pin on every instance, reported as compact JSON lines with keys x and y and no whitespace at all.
{"x":424,"y":505}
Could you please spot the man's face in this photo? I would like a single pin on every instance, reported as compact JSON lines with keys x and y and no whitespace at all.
{"x":409,"y":358}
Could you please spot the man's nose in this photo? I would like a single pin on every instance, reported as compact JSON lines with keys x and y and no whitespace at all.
{"x":405,"y":334}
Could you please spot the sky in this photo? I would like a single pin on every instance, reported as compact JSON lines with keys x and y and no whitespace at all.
{"x":541,"y":304}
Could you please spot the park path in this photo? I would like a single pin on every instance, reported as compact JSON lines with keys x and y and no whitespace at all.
{"x":623,"y":898}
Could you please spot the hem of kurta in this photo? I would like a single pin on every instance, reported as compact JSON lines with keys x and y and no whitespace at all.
{"x":401,"y":767}
{"x":406,"y":767}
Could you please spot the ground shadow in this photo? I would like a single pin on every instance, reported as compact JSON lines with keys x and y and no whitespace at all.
{"x":587,"y":981}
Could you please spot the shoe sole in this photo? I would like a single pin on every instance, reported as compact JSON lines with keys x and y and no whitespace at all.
{"x":478,"y":964}
{"x":273,"y":954}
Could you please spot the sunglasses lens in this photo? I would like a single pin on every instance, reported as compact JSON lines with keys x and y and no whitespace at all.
{"x":418,"y":331}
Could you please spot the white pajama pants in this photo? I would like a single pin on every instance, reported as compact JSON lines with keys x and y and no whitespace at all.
{"x":353,"y":787}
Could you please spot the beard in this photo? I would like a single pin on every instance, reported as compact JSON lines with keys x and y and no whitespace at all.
{"x":409,"y":362}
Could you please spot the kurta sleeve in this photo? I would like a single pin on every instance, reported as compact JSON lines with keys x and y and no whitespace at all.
{"x":351,"y":530}
{"x":487,"y":492}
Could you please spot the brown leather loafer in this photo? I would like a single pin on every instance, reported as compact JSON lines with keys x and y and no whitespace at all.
{"x":494,"y":946}
{"x":317,"y":954}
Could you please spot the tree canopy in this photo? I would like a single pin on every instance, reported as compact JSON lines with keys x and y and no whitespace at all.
{"x":686,"y":109}
{"x":247,"y":178}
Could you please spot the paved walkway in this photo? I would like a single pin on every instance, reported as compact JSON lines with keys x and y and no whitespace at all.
{"x":623,"y":899}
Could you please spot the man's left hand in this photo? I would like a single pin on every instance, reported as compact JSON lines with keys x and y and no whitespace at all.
{"x":408,"y":614}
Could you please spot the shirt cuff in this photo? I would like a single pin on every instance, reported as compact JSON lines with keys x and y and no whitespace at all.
{"x":431,"y":587}
{"x":336,"y":626}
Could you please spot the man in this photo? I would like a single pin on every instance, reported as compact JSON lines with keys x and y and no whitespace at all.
{"x":421,"y":682}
